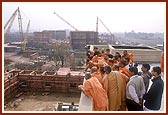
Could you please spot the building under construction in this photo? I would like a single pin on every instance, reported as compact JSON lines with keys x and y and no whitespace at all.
{"x":79,"y":39}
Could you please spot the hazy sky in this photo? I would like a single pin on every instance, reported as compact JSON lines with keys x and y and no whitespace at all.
{"x":118,"y":17}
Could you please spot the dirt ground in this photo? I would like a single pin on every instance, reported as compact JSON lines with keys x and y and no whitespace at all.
{"x":41,"y":101}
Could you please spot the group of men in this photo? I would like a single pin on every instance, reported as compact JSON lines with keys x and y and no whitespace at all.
{"x":114,"y":83}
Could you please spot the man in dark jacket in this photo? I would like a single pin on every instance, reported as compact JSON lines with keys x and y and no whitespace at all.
{"x":153,"y":97}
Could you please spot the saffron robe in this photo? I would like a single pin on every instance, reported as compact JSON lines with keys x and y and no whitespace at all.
{"x":93,"y":89}
{"x":130,"y":56}
{"x":125,"y":71}
{"x":98,"y":75}
{"x":113,"y":83}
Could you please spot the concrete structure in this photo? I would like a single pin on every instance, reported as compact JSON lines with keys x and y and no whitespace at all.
{"x":56,"y":34}
{"x":9,"y":49}
{"x":60,"y":35}
{"x":79,"y":39}
{"x":42,"y":36}
{"x":141,"y":53}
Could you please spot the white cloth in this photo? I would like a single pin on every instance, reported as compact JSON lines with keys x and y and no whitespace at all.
{"x":85,"y":103}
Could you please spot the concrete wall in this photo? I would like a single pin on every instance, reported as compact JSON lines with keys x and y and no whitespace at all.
{"x":144,"y":54}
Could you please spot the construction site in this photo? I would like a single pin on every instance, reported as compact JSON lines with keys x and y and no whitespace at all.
{"x":42,"y":71}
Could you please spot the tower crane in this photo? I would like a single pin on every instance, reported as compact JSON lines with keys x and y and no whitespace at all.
{"x":104,"y":26}
{"x":66,"y":22}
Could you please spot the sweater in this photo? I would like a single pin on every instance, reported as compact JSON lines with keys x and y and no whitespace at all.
{"x":137,"y":82}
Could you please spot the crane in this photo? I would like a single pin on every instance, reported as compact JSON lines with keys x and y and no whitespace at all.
{"x":20,"y":24}
{"x":66,"y":22}
{"x":9,"y":24}
{"x":104,"y":26}
{"x":25,"y":37}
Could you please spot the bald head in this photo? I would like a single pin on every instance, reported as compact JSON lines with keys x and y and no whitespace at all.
{"x":94,"y":69}
{"x":87,"y":75}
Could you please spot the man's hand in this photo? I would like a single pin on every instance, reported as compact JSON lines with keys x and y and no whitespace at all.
{"x":80,"y":87}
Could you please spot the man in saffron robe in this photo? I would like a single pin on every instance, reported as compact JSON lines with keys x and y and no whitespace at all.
{"x":113,"y":83}
{"x":123,"y":69}
{"x":96,"y":73}
{"x":125,"y":78}
{"x":94,"y":61}
{"x":93,"y":89}
{"x":128,"y":55}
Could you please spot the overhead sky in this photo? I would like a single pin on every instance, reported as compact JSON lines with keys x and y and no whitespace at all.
{"x":117,"y":16}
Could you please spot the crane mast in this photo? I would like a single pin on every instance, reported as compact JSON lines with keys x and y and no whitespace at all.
{"x":25,"y":38}
{"x":66,"y":22}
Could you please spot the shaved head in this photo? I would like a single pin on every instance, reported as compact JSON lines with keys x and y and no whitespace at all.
{"x":87,"y":75}
{"x":94,"y":69}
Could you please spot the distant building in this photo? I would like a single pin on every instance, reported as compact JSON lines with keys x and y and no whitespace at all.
{"x":79,"y":39}
{"x":60,"y":34}
{"x":12,"y":37}
{"x":47,"y":35}
{"x":42,"y":36}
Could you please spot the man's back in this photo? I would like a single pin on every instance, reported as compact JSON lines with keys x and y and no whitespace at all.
{"x":113,"y":83}
{"x":94,"y":90}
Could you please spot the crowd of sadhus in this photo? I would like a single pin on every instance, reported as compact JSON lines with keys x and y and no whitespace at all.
{"x":114,"y":83}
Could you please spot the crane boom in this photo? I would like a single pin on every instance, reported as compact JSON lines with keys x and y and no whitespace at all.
{"x":112,"y":36}
{"x":105,"y":26}
{"x":66,"y":22}
{"x":9,"y":23}
{"x":20,"y":24}
{"x":97,"y":24}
